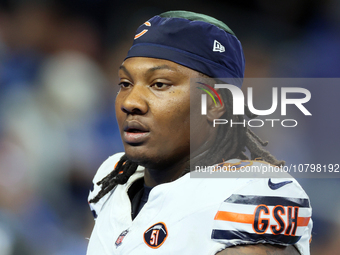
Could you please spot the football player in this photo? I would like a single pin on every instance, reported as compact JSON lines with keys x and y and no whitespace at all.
{"x":144,"y":200}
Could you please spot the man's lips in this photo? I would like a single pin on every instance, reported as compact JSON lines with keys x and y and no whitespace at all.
{"x":135,"y":132}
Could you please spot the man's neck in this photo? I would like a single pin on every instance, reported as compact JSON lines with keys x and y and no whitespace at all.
{"x":171,"y":172}
{"x":154,"y":177}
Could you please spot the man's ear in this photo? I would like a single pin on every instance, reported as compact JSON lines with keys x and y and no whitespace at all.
{"x":214,"y":110}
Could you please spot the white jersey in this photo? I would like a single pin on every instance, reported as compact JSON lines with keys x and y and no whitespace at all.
{"x":200,"y":216}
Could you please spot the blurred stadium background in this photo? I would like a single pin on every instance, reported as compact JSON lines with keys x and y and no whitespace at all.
{"x":58,"y":81}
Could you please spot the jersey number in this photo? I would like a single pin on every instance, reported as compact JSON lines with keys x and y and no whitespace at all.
{"x":154,"y":237}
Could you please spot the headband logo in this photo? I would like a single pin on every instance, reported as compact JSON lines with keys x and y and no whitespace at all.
{"x":148,"y":24}
{"x":218,"y":46}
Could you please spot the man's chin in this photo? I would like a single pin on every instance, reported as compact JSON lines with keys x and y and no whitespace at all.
{"x":139,"y":158}
{"x":151,"y":161}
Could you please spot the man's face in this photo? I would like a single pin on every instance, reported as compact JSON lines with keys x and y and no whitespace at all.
{"x":153,"y":110}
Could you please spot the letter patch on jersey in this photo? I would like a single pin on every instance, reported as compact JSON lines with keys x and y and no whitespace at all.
{"x":261,"y":219}
{"x":156,"y":235}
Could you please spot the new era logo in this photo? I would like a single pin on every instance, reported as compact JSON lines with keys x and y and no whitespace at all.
{"x":218,"y":46}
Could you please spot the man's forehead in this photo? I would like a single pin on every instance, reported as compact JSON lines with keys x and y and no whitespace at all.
{"x":150,"y":65}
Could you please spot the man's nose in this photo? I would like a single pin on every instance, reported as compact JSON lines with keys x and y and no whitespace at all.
{"x":135,"y":102}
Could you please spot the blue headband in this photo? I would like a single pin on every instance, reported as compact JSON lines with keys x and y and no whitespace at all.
{"x":196,"y":41}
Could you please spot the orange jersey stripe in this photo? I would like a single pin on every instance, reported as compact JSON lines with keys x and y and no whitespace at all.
{"x":249,"y":218}
{"x":303,"y":221}
{"x":235,"y":217}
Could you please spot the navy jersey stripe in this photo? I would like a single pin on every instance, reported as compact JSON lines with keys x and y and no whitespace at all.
{"x":252,"y":237}
{"x":257,"y":200}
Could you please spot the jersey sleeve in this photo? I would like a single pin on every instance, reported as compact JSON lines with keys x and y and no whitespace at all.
{"x":273,"y":211}
{"x":106,"y":168}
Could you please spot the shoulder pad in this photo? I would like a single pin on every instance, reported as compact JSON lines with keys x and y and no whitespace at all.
{"x":274,"y":211}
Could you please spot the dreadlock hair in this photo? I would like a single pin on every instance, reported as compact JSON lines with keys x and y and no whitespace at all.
{"x":120,"y":175}
{"x":231,"y":142}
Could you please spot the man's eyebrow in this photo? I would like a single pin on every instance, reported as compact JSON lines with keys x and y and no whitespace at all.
{"x":152,"y":69}
{"x":125,"y":70}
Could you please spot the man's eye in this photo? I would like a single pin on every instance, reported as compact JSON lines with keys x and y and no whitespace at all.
{"x":124,"y":84}
{"x":159,"y":85}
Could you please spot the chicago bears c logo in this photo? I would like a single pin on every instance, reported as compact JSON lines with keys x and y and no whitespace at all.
{"x":155,"y":236}
{"x":144,"y":31}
